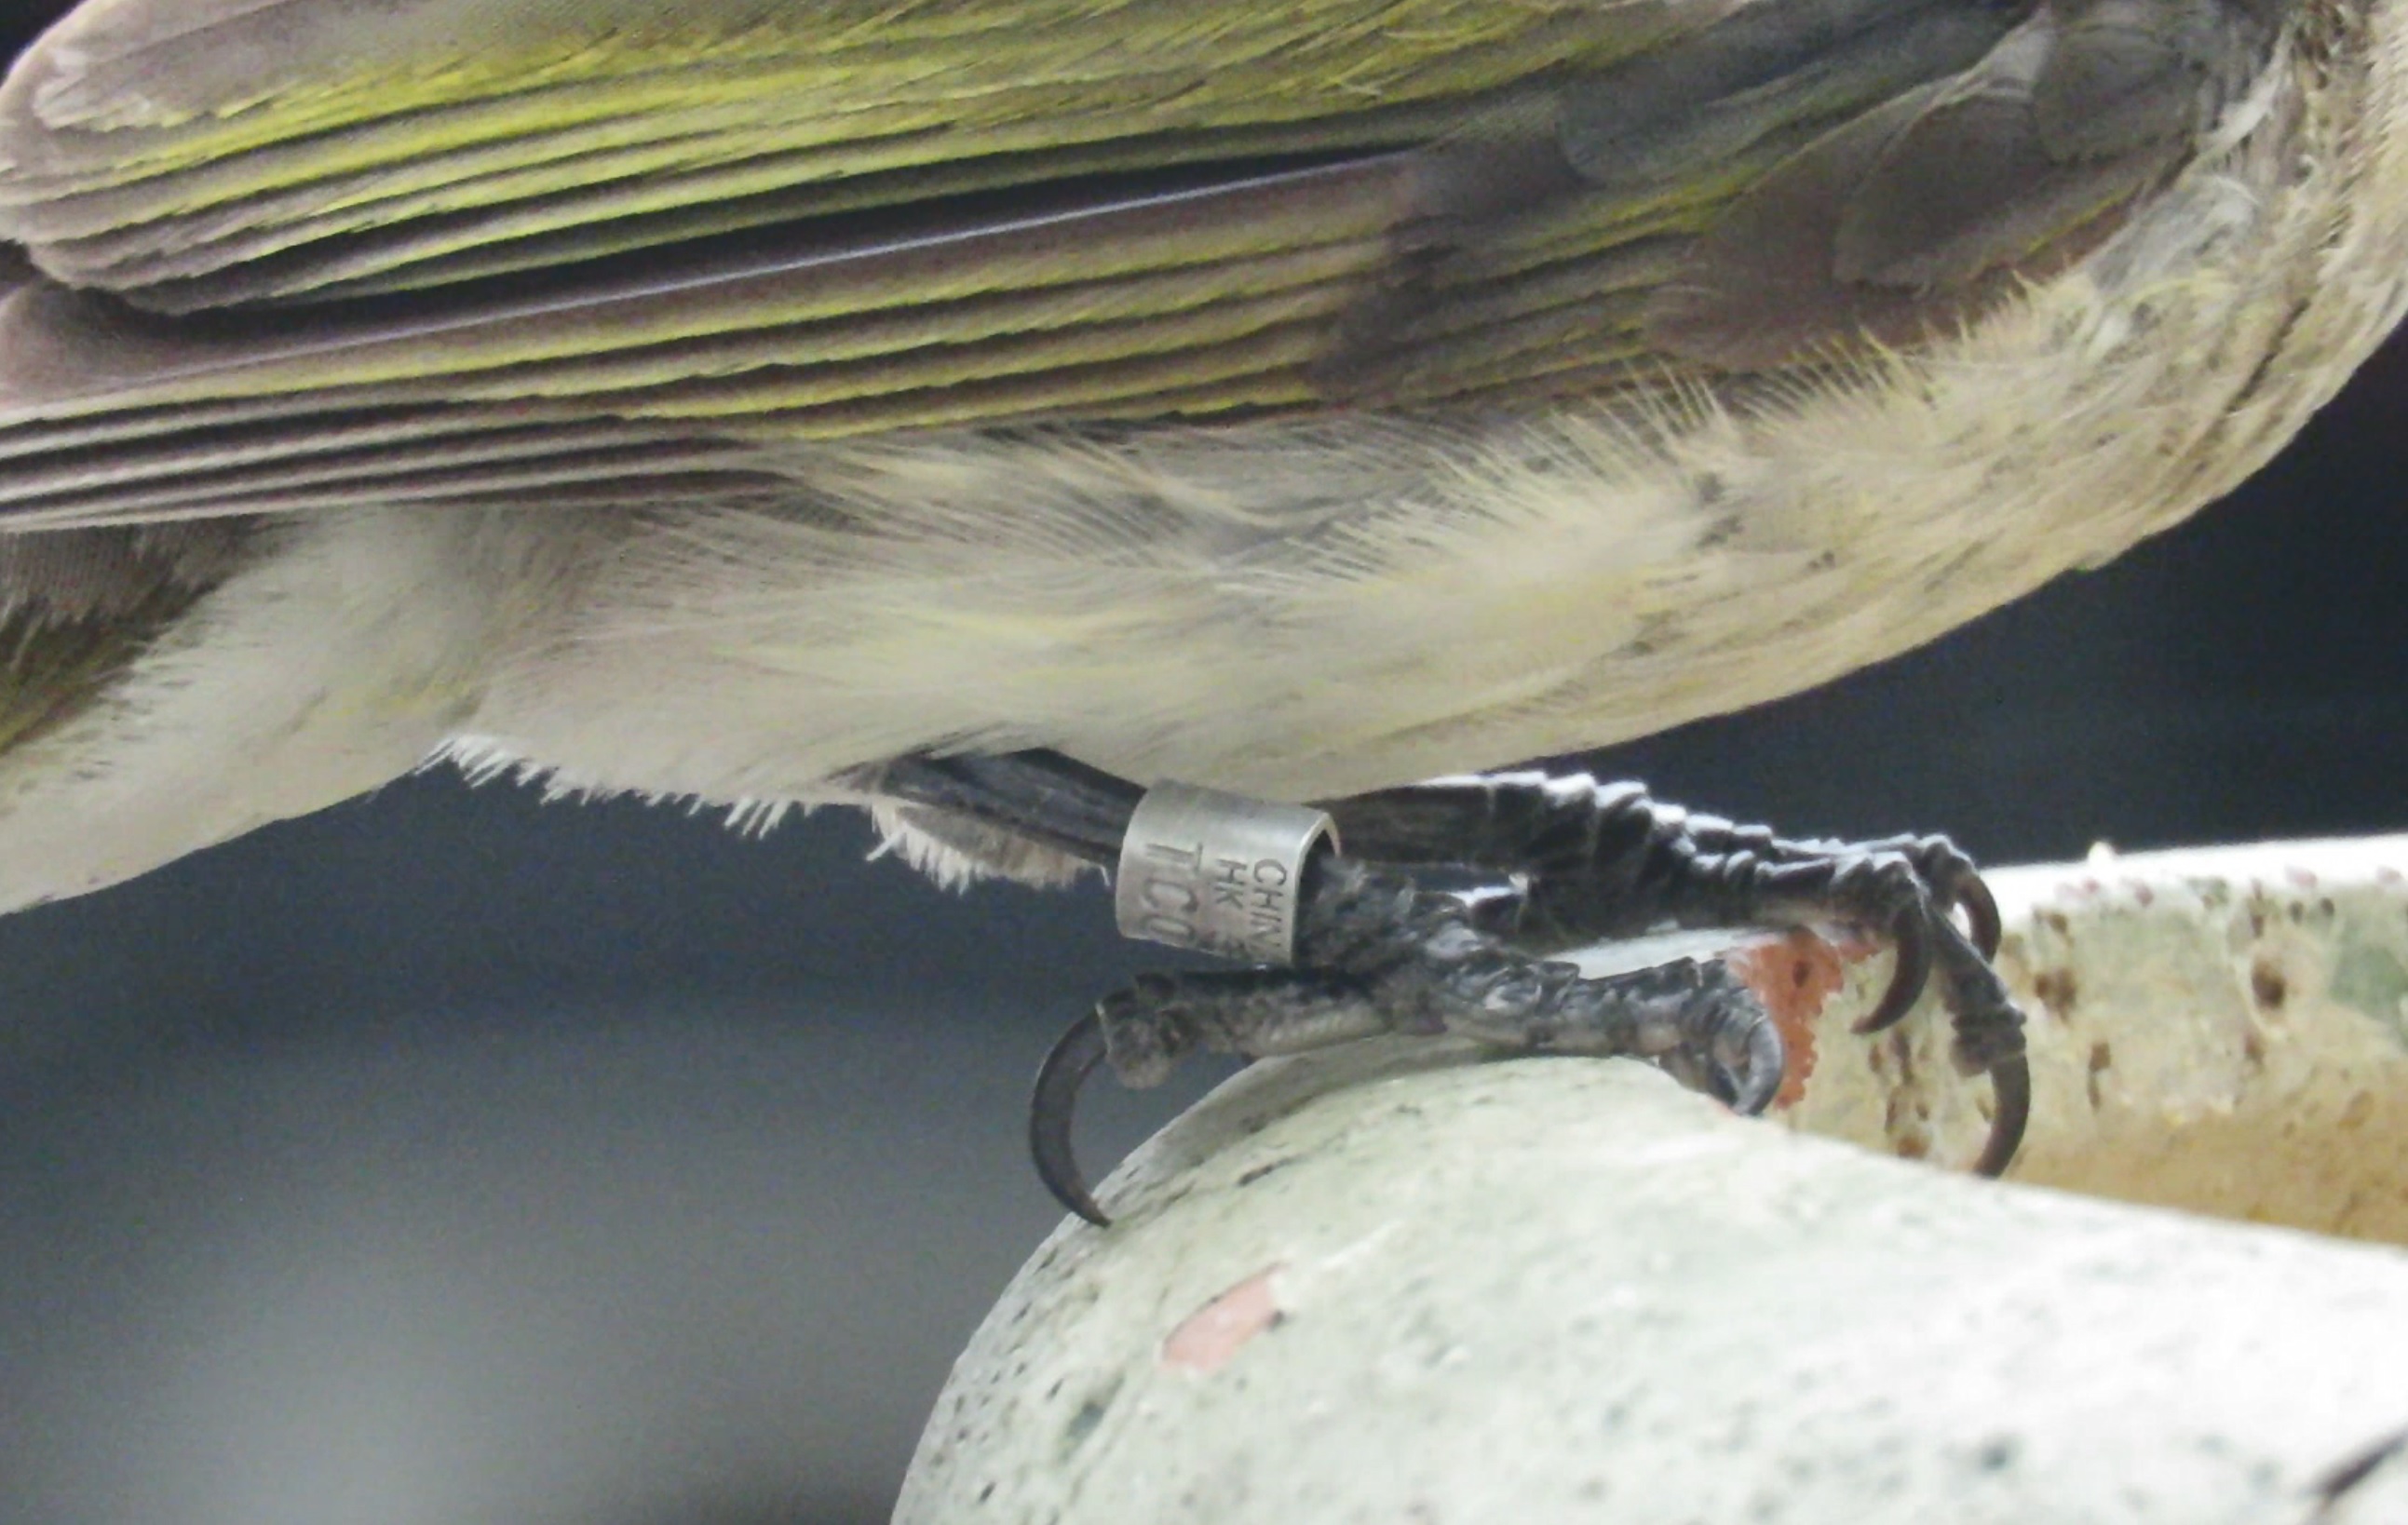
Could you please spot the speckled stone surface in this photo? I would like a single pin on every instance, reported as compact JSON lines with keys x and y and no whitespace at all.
{"x":1384,"y":1284}
{"x":2221,"y":1029}
{"x":1567,"y":1290}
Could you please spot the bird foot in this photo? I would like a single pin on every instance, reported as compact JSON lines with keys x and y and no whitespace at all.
{"x":1695,"y":1018}
{"x":1445,"y":908}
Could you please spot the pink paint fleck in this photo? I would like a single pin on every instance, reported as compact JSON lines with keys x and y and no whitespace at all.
{"x":1211,"y":1336}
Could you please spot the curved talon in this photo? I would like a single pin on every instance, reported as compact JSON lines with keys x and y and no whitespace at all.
{"x":2011,"y":1084}
{"x":1768,"y":1065}
{"x":1912,"y":936}
{"x":1981,"y":910}
{"x":1052,"y":1102}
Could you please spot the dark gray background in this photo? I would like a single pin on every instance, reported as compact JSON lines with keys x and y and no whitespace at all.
{"x":452,"y":1158}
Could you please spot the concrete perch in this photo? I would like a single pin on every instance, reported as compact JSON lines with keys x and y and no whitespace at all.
{"x":1388,"y":1285}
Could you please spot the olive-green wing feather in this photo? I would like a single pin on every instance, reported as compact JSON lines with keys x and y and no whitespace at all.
{"x":207,"y":150}
{"x":602,"y":251}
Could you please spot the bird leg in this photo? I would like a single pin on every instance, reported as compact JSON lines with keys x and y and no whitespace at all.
{"x":1438,"y":909}
{"x":1387,"y":953}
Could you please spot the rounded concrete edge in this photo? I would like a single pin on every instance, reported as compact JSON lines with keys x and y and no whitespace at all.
{"x":1394,"y":1283}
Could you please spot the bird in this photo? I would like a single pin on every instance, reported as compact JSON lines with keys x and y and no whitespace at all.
{"x":750,"y":402}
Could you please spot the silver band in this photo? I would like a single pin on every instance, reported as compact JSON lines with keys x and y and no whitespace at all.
{"x":1217,"y":872}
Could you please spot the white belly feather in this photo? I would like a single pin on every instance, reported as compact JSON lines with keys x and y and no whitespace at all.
{"x":1279,"y":608}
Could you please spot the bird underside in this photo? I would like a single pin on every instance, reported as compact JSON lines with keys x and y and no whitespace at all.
{"x":271,"y":263}
{"x":281,"y":259}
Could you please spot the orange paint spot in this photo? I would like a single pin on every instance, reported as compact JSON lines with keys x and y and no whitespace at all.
{"x":1211,"y":1336}
{"x":1794,"y":976}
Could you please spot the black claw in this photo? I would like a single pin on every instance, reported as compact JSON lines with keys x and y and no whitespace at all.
{"x":1981,"y":910}
{"x":1767,"y":1063}
{"x":1912,"y":936}
{"x":2011,"y":1089}
{"x":1053,"y":1104}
